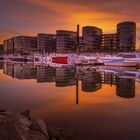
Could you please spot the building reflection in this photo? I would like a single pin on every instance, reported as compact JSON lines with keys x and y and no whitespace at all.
{"x":65,"y":76}
{"x":1,"y":64}
{"x":8,"y":69}
{"x":108,"y":78}
{"x":91,"y":81}
{"x":125,"y":87}
{"x":20,"y":71}
{"x":45,"y":74}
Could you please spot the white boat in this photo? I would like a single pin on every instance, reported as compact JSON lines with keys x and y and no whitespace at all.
{"x":121,"y":59}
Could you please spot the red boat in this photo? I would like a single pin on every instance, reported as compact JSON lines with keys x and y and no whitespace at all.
{"x":60,"y":59}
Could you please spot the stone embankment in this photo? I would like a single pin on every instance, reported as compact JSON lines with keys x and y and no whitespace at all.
{"x":19,"y":126}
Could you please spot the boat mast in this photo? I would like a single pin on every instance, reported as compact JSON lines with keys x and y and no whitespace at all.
{"x":111,"y":46}
{"x":77,"y":46}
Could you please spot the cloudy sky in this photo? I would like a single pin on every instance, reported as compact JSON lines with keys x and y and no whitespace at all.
{"x":29,"y":17}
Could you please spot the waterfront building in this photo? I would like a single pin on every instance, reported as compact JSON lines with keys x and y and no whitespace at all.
{"x":25,"y":44}
{"x":126,"y":33}
{"x":1,"y":48}
{"x":109,"y":42}
{"x":9,"y":45}
{"x":65,"y":41}
{"x":46,"y":43}
{"x":92,"y":38}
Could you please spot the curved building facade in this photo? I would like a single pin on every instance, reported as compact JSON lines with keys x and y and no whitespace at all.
{"x":92,"y":36}
{"x":126,"y":34}
{"x":65,"y":40}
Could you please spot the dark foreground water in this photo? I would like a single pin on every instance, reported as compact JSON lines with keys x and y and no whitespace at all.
{"x":94,"y":103}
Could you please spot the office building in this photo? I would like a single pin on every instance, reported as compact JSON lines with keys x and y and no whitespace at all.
{"x":25,"y":44}
{"x":9,"y":45}
{"x":109,"y":42}
{"x":92,"y":38}
{"x":65,"y":41}
{"x":126,"y":33}
{"x":46,"y":43}
{"x":1,"y":48}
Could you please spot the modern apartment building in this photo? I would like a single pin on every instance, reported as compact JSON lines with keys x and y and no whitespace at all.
{"x":20,"y":44}
{"x":1,"y":48}
{"x":109,"y":42}
{"x":25,"y":44}
{"x":65,"y":41}
{"x":92,"y":37}
{"x":9,"y":45}
{"x":126,"y":33}
{"x":46,"y":43}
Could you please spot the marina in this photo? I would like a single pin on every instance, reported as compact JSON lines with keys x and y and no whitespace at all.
{"x":118,"y":60}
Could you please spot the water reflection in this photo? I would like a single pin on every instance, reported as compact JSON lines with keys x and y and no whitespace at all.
{"x":125,"y":87}
{"x":1,"y":65}
{"x":91,"y":78}
{"x":65,"y":76}
{"x":102,"y":96}
{"x":45,"y":74}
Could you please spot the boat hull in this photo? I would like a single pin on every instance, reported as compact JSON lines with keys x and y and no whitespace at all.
{"x":60,"y":60}
{"x":122,"y":64}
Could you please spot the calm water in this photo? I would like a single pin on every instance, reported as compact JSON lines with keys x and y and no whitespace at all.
{"x":92,"y":102}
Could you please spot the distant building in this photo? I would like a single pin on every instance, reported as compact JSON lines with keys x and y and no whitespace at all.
{"x":46,"y":43}
{"x":92,"y":38}
{"x":9,"y":45}
{"x":25,"y":44}
{"x":1,"y":48}
{"x":126,"y":32}
{"x":1,"y":65}
{"x":65,"y":41}
{"x":20,"y":44}
{"x":109,"y":42}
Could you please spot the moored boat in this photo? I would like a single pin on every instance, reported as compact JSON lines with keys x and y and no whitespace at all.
{"x":122,"y":59}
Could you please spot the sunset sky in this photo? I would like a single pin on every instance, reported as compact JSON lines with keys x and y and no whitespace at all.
{"x":29,"y":17}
